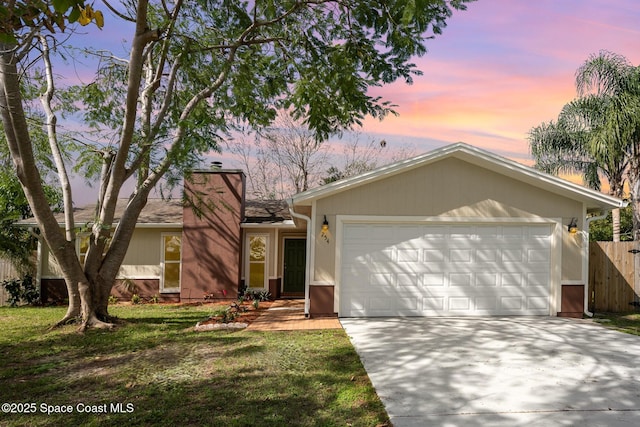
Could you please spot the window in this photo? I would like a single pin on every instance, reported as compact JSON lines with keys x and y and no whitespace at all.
{"x":82,"y":246}
{"x":171,"y":252}
{"x":256,"y":272}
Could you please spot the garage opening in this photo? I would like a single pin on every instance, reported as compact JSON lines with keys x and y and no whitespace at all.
{"x":445,"y":269}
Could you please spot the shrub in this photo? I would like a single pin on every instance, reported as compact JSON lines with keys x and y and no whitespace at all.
{"x":229,"y":314}
{"x":135,"y":299}
{"x":257,"y":294}
{"x":22,"y":290}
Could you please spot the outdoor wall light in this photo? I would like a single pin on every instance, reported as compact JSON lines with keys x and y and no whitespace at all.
{"x":573,"y":226}
{"x":325,"y":225}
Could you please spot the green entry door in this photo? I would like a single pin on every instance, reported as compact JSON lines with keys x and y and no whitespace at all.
{"x":295,"y":255}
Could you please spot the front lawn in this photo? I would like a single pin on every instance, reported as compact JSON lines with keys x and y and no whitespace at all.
{"x":625,"y":322}
{"x":154,"y":370}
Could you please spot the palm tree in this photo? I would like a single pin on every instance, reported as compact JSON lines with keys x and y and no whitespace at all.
{"x":614,"y":78}
{"x":598,"y":134}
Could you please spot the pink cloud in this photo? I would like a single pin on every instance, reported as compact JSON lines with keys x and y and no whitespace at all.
{"x":504,"y":66}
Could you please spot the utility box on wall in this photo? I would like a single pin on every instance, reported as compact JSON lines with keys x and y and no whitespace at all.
{"x":572,"y":303}
{"x":321,"y":301}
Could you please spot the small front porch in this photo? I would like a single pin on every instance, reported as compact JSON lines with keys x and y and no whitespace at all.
{"x":274,"y":258}
{"x":288,"y":315}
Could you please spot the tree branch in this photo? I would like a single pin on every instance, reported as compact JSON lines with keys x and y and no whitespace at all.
{"x":117,"y":13}
{"x":142,"y":37}
{"x":63,"y":176}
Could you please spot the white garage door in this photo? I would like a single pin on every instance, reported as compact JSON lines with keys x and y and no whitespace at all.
{"x":445,"y":270}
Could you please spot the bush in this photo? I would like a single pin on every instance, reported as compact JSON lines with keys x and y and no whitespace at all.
{"x":257,"y":294}
{"x":22,"y":290}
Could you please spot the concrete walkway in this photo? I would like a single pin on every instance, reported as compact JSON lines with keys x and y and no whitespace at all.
{"x":515,"y":371}
{"x":288,"y":315}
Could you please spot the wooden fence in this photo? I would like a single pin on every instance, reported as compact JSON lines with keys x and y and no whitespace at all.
{"x":6,"y":272}
{"x":612,"y":269}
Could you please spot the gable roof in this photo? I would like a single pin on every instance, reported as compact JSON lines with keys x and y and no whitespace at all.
{"x":594,"y":200}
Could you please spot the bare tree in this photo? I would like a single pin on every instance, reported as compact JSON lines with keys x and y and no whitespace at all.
{"x":358,"y":157}
{"x":283,"y":160}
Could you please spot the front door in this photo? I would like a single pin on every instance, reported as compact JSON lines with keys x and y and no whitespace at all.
{"x":295,"y":251}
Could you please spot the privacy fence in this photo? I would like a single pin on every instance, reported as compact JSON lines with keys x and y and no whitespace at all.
{"x":614,"y":285}
{"x":6,"y":272}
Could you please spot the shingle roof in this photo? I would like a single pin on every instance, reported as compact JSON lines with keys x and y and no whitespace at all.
{"x":156,"y":212}
{"x":169,"y":212}
{"x":266,"y":211}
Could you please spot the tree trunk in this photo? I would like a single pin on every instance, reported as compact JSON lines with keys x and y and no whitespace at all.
{"x":89,"y":315}
{"x":615,"y":220}
{"x":21,"y":149}
{"x":102,"y":290}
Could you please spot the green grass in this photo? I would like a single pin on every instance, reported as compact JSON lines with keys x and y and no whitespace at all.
{"x":624,"y":322}
{"x":170,"y":375}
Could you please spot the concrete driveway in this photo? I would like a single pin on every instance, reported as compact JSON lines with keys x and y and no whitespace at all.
{"x":510,"y":371}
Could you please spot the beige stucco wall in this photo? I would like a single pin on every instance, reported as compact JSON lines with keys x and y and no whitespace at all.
{"x":448,"y":188}
{"x":141,"y":262}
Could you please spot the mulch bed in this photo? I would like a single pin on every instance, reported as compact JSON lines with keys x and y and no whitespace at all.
{"x":245,"y":314}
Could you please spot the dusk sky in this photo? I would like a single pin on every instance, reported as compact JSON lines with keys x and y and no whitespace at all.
{"x":500,"y":68}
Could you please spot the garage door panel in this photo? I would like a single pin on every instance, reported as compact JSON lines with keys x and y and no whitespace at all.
{"x":512,"y":255}
{"x":487,"y":279}
{"x":383,"y":255}
{"x":489,"y":304}
{"x":511,"y":303}
{"x":512,"y":279}
{"x":460,"y":255}
{"x":439,"y":270}
{"x":461,"y":232}
{"x":432,"y":255}
{"x":486,"y":255}
{"x":409,"y":255}
{"x":539,"y":280}
{"x":538,"y":255}
{"x":538,"y":304}
{"x":382,"y":280}
{"x":408,"y":280}
{"x":433,"y":279}
{"x":460,"y":280}
{"x":380,"y":304}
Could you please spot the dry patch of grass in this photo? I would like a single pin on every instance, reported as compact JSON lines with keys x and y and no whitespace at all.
{"x":160,"y":372}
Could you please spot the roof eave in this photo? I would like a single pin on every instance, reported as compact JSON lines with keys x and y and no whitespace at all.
{"x":138,"y":225}
{"x":284,"y":224}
